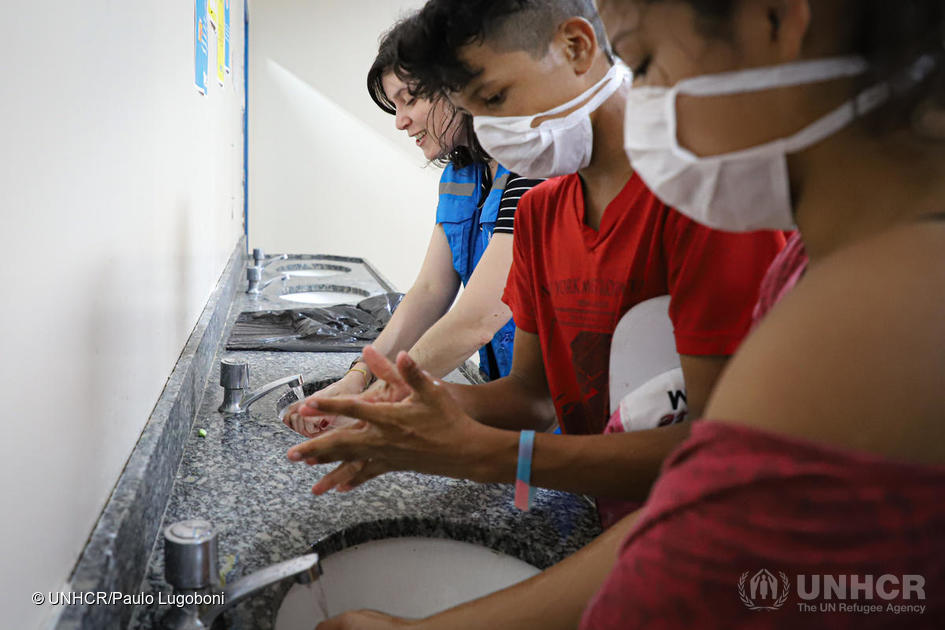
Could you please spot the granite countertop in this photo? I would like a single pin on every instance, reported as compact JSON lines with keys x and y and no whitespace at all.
{"x":238,"y":477}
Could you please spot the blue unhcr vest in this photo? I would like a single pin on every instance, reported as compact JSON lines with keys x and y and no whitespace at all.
{"x":468,"y":230}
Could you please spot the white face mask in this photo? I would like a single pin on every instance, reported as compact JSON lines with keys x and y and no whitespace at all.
{"x":744,"y":190}
{"x":558,"y":146}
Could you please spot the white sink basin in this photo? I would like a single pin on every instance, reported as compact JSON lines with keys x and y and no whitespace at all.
{"x":322,"y":298}
{"x":313,"y":270}
{"x":406,"y":577}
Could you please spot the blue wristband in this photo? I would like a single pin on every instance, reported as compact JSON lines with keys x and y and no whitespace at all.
{"x":524,"y":493}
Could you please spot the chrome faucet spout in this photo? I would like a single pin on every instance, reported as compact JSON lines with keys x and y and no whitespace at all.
{"x":257,"y":284}
{"x":190,"y":566}
{"x":306,"y":568}
{"x":273,"y":259}
{"x":292,"y":381}
{"x":261,"y":260}
{"x":234,"y":377}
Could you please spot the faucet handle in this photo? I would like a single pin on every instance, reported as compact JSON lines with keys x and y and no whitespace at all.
{"x":190,"y":555}
{"x":234,"y":374}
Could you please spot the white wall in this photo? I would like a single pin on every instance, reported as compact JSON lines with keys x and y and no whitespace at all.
{"x":329,"y":173}
{"x":121,"y":200}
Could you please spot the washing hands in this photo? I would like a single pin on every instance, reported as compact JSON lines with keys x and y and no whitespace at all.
{"x":410,"y":422}
{"x":309,"y":422}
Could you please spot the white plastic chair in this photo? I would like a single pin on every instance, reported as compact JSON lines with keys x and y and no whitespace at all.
{"x":642,"y":347}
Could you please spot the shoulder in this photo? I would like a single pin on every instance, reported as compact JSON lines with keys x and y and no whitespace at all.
{"x":855,"y":355}
{"x":548,"y":194}
{"x":457,"y":194}
{"x":453,"y":173}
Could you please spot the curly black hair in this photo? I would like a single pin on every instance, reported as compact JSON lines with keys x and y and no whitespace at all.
{"x":387,"y":60}
{"x":429,"y":47}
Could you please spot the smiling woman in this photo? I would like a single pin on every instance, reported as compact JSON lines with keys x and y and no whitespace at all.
{"x":471,"y":243}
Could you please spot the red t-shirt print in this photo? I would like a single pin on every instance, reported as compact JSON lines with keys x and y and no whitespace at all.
{"x":571,"y":284}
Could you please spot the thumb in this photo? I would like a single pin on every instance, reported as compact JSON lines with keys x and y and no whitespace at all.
{"x":418,"y":380}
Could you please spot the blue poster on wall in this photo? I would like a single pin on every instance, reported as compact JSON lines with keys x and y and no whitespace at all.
{"x":226,"y":22}
{"x":201,"y":42}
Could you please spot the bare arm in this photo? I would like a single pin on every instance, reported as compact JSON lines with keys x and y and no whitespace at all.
{"x":431,"y":294}
{"x":700,"y":375}
{"x":427,"y":300}
{"x":517,"y":401}
{"x":426,"y":431}
{"x":474,"y":319}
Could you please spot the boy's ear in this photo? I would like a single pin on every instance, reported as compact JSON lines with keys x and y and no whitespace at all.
{"x":578,"y":40}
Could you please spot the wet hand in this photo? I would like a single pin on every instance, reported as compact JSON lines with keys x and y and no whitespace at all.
{"x":418,"y":427}
{"x":310,"y":425}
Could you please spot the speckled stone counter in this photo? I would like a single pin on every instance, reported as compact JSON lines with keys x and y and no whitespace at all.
{"x":238,"y":477}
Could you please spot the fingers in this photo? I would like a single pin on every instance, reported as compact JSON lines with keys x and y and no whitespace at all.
{"x":354,"y":442}
{"x":381,"y":367}
{"x":353,"y":407}
{"x":370,"y":470}
{"x":312,"y":427}
{"x":340,"y":476}
{"x":307,"y":426}
{"x":418,"y":380}
{"x":332,"y":446}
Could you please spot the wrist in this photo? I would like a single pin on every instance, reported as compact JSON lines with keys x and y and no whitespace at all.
{"x":360,"y":369}
{"x":493,"y":456}
{"x":355,"y":379}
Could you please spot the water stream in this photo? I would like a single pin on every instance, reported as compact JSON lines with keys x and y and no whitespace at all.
{"x":320,"y":601}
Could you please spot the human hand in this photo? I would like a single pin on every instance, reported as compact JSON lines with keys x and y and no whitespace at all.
{"x":312,"y":424}
{"x":424,"y":430}
{"x":365,"y":620}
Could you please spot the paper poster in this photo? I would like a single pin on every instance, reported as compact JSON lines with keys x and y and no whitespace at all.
{"x":226,"y":31}
{"x":201,"y":43}
{"x":221,"y":41}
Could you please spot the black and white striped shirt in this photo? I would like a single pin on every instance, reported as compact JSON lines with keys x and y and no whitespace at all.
{"x":515,"y":187}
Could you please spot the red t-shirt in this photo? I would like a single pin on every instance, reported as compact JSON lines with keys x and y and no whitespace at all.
{"x":571,"y":284}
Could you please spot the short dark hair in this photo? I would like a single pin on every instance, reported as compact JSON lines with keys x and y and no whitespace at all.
{"x":430,"y":45}
{"x":386,"y":61}
{"x":892,"y":36}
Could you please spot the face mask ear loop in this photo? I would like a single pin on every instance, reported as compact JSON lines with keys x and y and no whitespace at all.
{"x":602,"y":90}
{"x":859,"y":106}
{"x":772,"y":77}
{"x":672,"y":124}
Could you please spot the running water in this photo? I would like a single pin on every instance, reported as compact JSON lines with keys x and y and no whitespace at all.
{"x":299,"y":394}
{"x":320,"y":602}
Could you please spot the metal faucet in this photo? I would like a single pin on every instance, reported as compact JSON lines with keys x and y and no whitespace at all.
{"x":190,"y":566}
{"x":256,"y":283}
{"x":262,"y":261}
{"x":234,"y":377}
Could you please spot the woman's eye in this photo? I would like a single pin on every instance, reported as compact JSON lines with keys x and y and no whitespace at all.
{"x":641,"y":68}
{"x":495,"y":100}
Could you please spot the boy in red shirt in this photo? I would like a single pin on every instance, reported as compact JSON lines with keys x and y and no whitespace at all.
{"x":548,"y":100}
